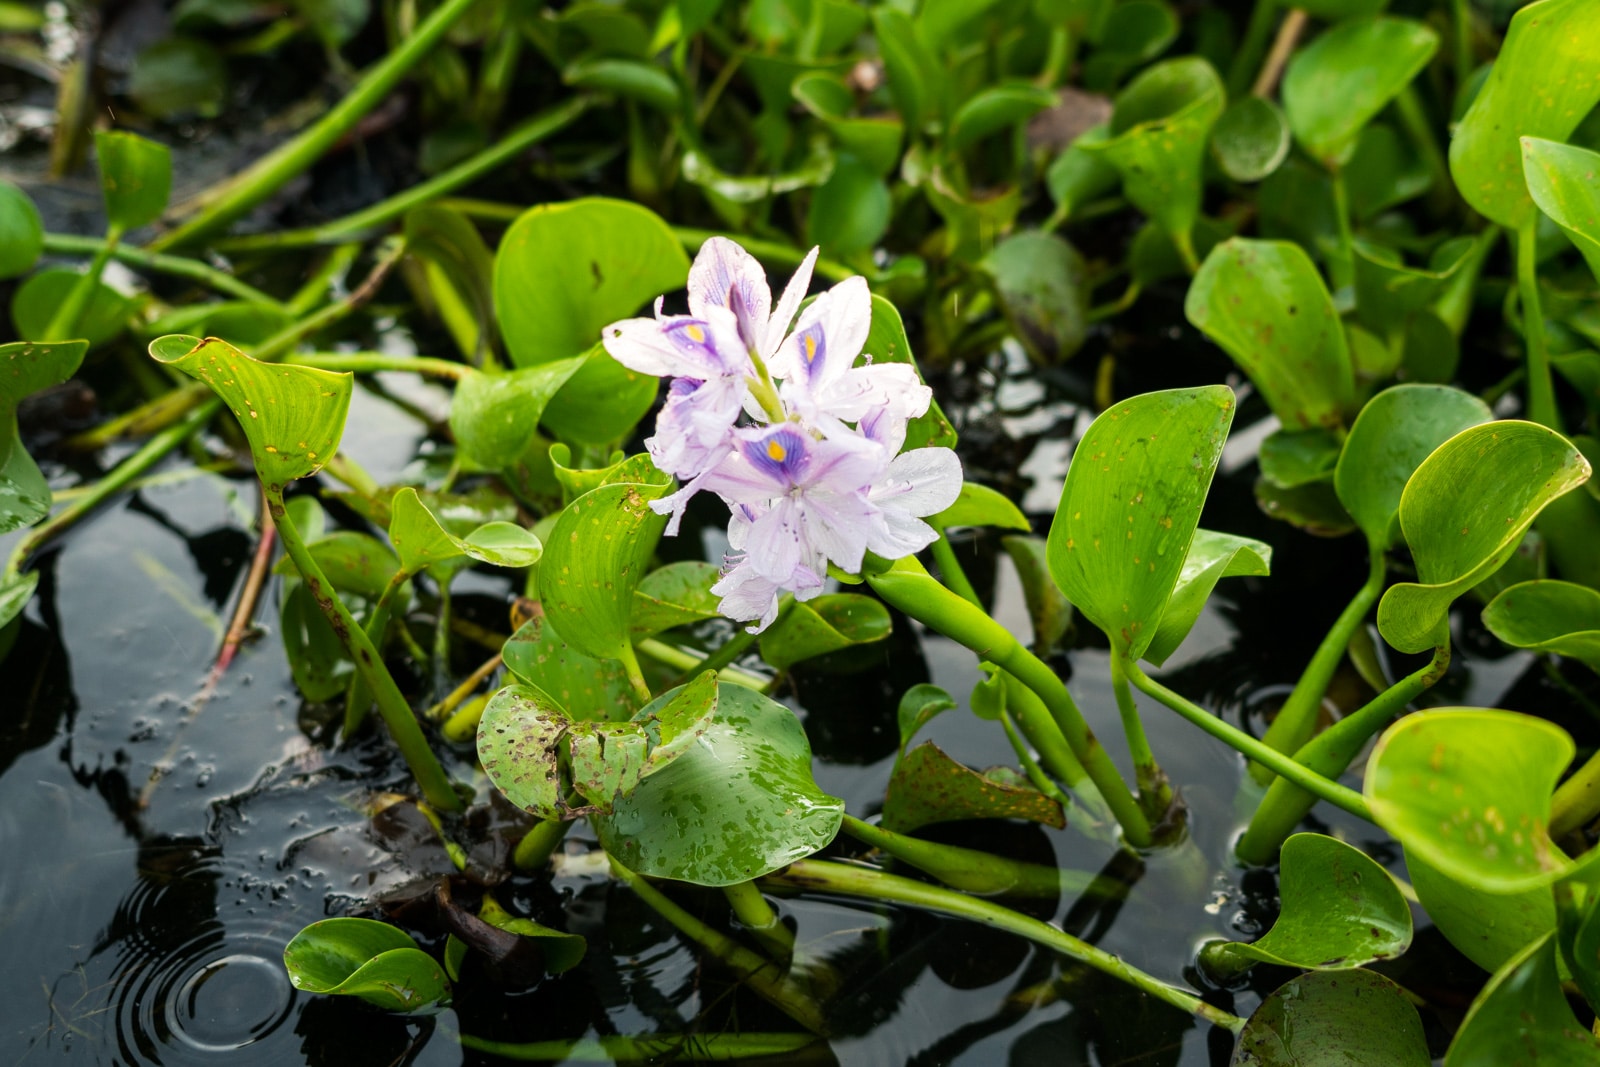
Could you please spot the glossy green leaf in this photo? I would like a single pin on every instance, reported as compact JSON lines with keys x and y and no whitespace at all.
{"x":850,"y":211}
{"x":292,"y":416}
{"x":1153,"y":257}
{"x":1334,"y":1019}
{"x":1130,"y":506}
{"x":1133,"y":33}
{"x":1564,"y":180}
{"x":458,"y":269}
{"x":758,"y":188}
{"x":1041,"y":281}
{"x":993,"y":109}
{"x":826,"y":624}
{"x":675,"y":595}
{"x":1212,"y":557}
{"x":738,"y":804}
{"x":367,"y":959}
{"x":243,"y":323}
{"x":928,"y":787}
{"x":1338,"y":910}
{"x":1464,"y":512}
{"x":586,"y":687}
{"x":1292,"y":458}
{"x":874,"y":141}
{"x":909,"y":67}
{"x":886,"y":343}
{"x":576,"y":481}
{"x":1543,"y":83}
{"x":978,"y":505}
{"x":918,"y":706}
{"x":627,"y":78}
{"x":1578,"y":929}
{"x":1487,"y":928}
{"x":1388,"y":292}
{"x":1548,"y":616}
{"x":562,"y":951}
{"x":825,"y":95}
{"x":601,"y":403}
{"x":1468,"y":790}
{"x":563,"y":271}
{"x":942,"y":21}
{"x":26,"y":368}
{"x":1311,"y":506}
{"x":1266,"y":305}
{"x":1080,"y":174}
{"x":1159,"y":128}
{"x":595,"y":556}
{"x":1049,"y":612}
{"x":37,"y":299}
{"x":1338,"y":83}
{"x":1395,"y":432}
{"x":352,"y":562}
{"x":1251,"y":139}
{"x":21,"y":232}
{"x":1522,"y":1017}
{"x":135,"y":178}
{"x":179,"y":77}
{"x":420,"y":539}
{"x":1386,"y":170}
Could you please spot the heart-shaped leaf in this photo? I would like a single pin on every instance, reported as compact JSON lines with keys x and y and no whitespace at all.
{"x":1564,"y":180}
{"x":1548,"y":616}
{"x":519,"y":745}
{"x":1542,"y":85}
{"x":421,"y":541}
{"x":675,"y":595}
{"x":1464,"y":512}
{"x":1522,"y":1016}
{"x":1338,"y":910}
{"x":292,"y":416}
{"x":588,"y":688}
{"x":1266,"y":305}
{"x":368,"y":959}
{"x":1468,"y":790}
{"x":1395,"y":432}
{"x":494,"y":417}
{"x":738,"y":804}
{"x":1251,"y":139}
{"x":1130,"y":506}
{"x":1042,"y":285}
{"x":26,"y":368}
{"x":135,"y":178}
{"x":928,"y":787}
{"x":1338,"y":83}
{"x":918,"y":707}
{"x":1334,"y":1019}
{"x":1212,"y":557}
{"x":21,"y":232}
{"x":826,"y":624}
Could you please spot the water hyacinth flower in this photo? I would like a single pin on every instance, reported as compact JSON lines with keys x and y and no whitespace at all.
{"x":815,"y":476}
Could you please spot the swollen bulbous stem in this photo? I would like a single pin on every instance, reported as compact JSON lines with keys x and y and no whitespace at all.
{"x":908,"y":587}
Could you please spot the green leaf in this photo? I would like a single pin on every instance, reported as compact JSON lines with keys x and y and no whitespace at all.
{"x":1464,"y":512}
{"x":563,"y":271}
{"x":993,"y":109}
{"x":1385,"y":171}
{"x":1578,"y":929}
{"x":353,"y":562}
{"x":36,"y":300}
{"x":850,"y":211}
{"x":1080,"y":174}
{"x":594,"y":557}
{"x":1251,"y":139}
{"x":910,"y":69}
{"x":675,"y":595}
{"x":588,"y":688}
{"x":1042,"y":285}
{"x":135,"y":178}
{"x":21,"y":232}
{"x":1048,"y":609}
{"x":1292,"y":458}
{"x":459,"y":272}
{"x":1389,"y":293}
{"x":1564,"y":180}
{"x":15,"y":592}
{"x":1339,"y":83}
{"x":562,"y":951}
{"x":1266,"y":305}
{"x":1522,"y":1017}
{"x":826,"y":624}
{"x":494,"y":417}
{"x":749,"y":772}
{"x":519,"y":746}
{"x":576,"y":481}
{"x":1133,"y":33}
{"x":292,"y":416}
{"x":601,"y":403}
{"x":1159,"y":128}
{"x":26,"y":368}
{"x":1488,"y":928}
{"x":1130,"y":506}
{"x":1548,"y":616}
{"x":1468,"y":790}
{"x":918,"y":706}
{"x":978,"y":505}
{"x":928,"y":787}
{"x":1154,"y":258}
{"x":1542,"y":85}
{"x":1334,"y":1019}
{"x":179,"y":77}
{"x":886,"y":343}
{"x":421,"y":541}
{"x":1395,"y":432}
{"x":626,"y":78}
{"x":1212,"y":557}
{"x":1338,"y":910}
{"x":317,"y":660}
{"x":1311,"y":506}
{"x":367,"y":959}
{"x":825,"y":95}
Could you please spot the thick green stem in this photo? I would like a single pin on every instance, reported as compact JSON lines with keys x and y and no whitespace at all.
{"x":1342,"y":265}
{"x":759,"y":973}
{"x":641,"y":688}
{"x":1030,"y":766}
{"x":64,"y":323}
{"x":536,"y":846}
{"x":177,"y":266}
{"x":1329,"y":754}
{"x":970,"y":870}
{"x":1577,"y":801}
{"x":1541,"y":390}
{"x":1039,"y":727}
{"x":758,"y":917}
{"x":944,"y":554}
{"x":425,"y":767}
{"x":910,"y":588}
{"x":687,"y":663}
{"x":849,"y":880}
{"x":1324,"y":789}
{"x":277,"y":168}
{"x":1155,"y":793}
{"x":358,"y":696}
{"x":370,"y":219}
{"x":1297,"y":718}
{"x":657,"y":1048}
{"x":735,"y":646}
{"x":1258,"y":33}
{"x":373,"y":362}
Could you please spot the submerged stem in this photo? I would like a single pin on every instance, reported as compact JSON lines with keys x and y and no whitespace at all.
{"x":757,"y":915}
{"x":1155,"y":793}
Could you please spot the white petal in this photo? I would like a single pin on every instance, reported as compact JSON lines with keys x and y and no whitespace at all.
{"x":776,"y":543}
{"x":720,"y":266}
{"x":788,"y":304}
{"x":897,"y":535}
{"x":923,"y":481}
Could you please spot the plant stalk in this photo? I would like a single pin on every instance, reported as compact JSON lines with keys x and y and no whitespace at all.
{"x":653,"y":1048}
{"x":758,"y":917}
{"x":1541,"y":390}
{"x":178,"y":266}
{"x":687,"y":663}
{"x":64,"y":323}
{"x":536,"y":846}
{"x":1577,"y":800}
{"x":1155,"y":792}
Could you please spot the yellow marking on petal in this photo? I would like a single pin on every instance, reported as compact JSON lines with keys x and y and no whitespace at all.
{"x":811,"y":348}
{"x":696,"y":334}
{"x":777,"y":451}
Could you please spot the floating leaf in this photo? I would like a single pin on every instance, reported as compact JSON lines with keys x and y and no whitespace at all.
{"x":1334,"y":1019}
{"x":929,"y":787}
{"x":21,"y":232}
{"x":1266,"y":305}
{"x":886,"y":343}
{"x":738,"y":804}
{"x":1542,"y":85}
{"x":1338,"y":910}
{"x":1212,"y":557}
{"x":918,"y":707}
{"x":292,"y":416}
{"x":1468,"y":790}
{"x":1564,"y":180}
{"x":978,"y":505}
{"x":495,"y":417}
{"x":26,"y":368}
{"x":1251,"y":139}
{"x":420,"y":539}
{"x":1464,"y":512}
{"x":38,"y":298}
{"x":1338,"y":83}
{"x":675,"y":595}
{"x":1130,"y":505}
{"x":368,"y":959}
{"x":1395,"y":432}
{"x":1040,"y":280}
{"x":826,"y":624}
{"x":135,"y":178}
{"x":586,"y":687}
{"x":1048,"y":608}
{"x":1548,"y":616}
{"x":1522,"y":1017}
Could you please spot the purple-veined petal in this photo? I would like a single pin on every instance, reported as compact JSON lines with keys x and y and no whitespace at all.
{"x":828,"y":336}
{"x":776,"y":543}
{"x":694,"y":429}
{"x":788,"y":304}
{"x":720,"y":268}
{"x":838,"y":526}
